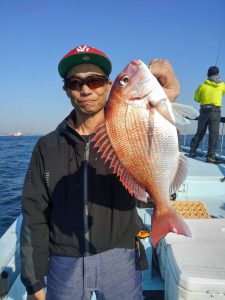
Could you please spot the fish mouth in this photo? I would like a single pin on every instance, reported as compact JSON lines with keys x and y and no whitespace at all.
{"x":139,"y":97}
{"x":142,"y":86}
{"x":139,"y":101}
{"x":140,"y":94}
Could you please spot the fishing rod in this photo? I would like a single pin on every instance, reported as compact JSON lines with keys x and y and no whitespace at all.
{"x":220,"y":47}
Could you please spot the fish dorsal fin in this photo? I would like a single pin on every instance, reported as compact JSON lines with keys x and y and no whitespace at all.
{"x":102,"y":142}
{"x":180,"y":175}
{"x":181,"y":111}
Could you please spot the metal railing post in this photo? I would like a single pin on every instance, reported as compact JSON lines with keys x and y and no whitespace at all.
{"x":221,"y":144}
{"x":185,"y":127}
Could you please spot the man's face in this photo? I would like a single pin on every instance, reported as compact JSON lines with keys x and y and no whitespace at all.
{"x":86,"y":99}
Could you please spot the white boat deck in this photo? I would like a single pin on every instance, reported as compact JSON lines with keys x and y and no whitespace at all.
{"x":202,"y":183}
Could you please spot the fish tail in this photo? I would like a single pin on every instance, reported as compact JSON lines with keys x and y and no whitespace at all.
{"x":168,"y":221}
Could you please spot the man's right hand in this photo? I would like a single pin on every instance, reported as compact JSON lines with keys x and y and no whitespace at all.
{"x":40,"y":295}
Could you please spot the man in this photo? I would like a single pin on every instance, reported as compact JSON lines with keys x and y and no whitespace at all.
{"x":79,"y":222}
{"x":209,"y":94}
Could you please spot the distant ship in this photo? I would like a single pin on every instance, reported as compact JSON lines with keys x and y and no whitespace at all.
{"x":18,"y":133}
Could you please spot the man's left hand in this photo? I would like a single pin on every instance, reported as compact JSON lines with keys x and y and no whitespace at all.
{"x":163,"y":71}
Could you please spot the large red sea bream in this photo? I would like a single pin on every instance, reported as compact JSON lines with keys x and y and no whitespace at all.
{"x":139,"y":138}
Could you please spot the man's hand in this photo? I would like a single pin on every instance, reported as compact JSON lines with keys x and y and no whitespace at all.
{"x":163,"y":71}
{"x":40,"y":295}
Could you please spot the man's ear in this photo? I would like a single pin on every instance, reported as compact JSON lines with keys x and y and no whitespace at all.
{"x":109,"y":84}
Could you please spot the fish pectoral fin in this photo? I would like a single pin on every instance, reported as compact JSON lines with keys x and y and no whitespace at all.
{"x":101,"y":141}
{"x":181,"y":174}
{"x":165,"y":223}
{"x":183,"y":112}
{"x":180,"y":112}
{"x":163,"y":109}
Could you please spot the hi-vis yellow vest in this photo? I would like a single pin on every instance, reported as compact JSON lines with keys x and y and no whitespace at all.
{"x":210,"y":92}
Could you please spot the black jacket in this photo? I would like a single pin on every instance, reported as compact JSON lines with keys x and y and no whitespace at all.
{"x":72,"y":205}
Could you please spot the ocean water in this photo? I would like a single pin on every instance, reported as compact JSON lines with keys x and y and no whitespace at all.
{"x":15,"y":154}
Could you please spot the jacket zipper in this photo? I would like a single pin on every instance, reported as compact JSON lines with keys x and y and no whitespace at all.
{"x":85,"y":191}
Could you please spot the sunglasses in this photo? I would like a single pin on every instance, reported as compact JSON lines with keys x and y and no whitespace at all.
{"x":92,"y":81}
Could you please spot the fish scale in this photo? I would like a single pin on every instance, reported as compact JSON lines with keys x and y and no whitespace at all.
{"x":143,"y":144}
{"x":123,"y":142}
{"x":140,"y":127}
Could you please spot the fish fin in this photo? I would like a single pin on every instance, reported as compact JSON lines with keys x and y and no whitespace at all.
{"x":163,"y":109}
{"x":181,"y":173}
{"x":181,"y":112}
{"x":102,"y":142}
{"x":169,"y":221}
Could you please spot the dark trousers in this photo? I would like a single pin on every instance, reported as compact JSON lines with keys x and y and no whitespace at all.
{"x":112,"y":275}
{"x":209,"y":118}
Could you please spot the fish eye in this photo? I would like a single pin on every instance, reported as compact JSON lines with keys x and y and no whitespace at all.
{"x":123,"y":81}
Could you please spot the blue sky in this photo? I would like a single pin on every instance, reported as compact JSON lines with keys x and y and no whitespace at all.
{"x":36,"y":34}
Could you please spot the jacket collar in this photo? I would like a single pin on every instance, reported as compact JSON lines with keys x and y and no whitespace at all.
{"x":66,"y":128}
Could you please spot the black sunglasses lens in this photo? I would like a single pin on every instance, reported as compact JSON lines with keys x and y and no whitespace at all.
{"x":93,"y":82}
{"x":96,"y":82}
{"x":73,"y":84}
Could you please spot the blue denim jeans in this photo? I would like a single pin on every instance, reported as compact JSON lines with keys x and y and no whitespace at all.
{"x":111,"y":275}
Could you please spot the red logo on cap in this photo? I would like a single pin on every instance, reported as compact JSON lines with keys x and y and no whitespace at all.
{"x":82,"y":49}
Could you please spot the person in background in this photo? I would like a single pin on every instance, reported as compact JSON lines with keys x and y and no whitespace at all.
{"x":79,"y":223}
{"x":209,"y":94}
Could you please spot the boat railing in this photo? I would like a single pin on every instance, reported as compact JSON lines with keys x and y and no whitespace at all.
{"x":189,"y":130}
{"x":10,"y":284}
